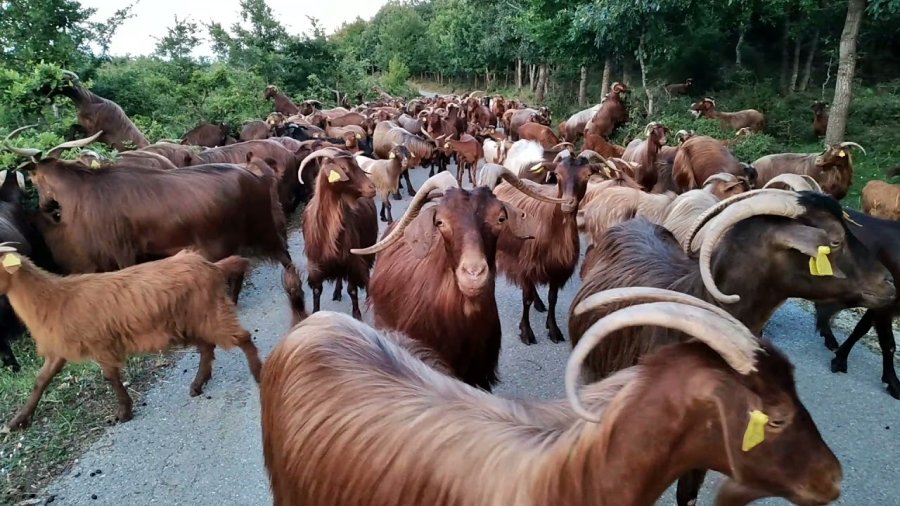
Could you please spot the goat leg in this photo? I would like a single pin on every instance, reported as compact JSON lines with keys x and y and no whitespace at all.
{"x":824,"y":313}
{"x":236,"y":282}
{"x":689,"y":487}
{"x":525,"y":332}
{"x":883,"y":326}
{"x":556,"y":335}
{"x":839,"y":362}
{"x":353,"y":291}
{"x":51,"y":367}
{"x":338,"y":287}
{"x":472,"y":173}
{"x":409,"y":186}
{"x":538,"y":303}
{"x":111,"y":373}
{"x":317,"y":294}
{"x":460,"y":170}
{"x":204,"y":370}
{"x":9,"y":360}
{"x":396,"y":195}
{"x":252,"y":354}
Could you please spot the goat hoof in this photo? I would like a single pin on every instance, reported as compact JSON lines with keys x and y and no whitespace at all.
{"x":337,"y":297}
{"x":894,"y":391}
{"x":411,"y":193}
{"x":556,"y":336}
{"x":527,"y":337}
{"x":196,"y":390}
{"x":397,"y":196}
{"x":838,"y":365}
{"x":124,"y":416}
{"x":17,"y":424}
{"x":357,"y":315}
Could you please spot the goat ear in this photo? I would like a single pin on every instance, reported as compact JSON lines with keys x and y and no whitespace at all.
{"x":335,"y":174}
{"x":812,"y":242}
{"x":420,"y":233}
{"x":521,"y":224}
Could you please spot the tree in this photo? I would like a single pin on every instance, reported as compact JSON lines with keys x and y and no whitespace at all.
{"x":53,"y":31}
{"x":840,"y":108}
{"x":179,"y":41}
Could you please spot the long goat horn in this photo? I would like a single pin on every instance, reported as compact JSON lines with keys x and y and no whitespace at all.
{"x":714,"y":211}
{"x":660,"y":308}
{"x":795,"y":182}
{"x":562,"y":145}
{"x":440,"y":181}
{"x":426,"y":134}
{"x":71,"y":75}
{"x":523,"y":187}
{"x":855,"y":145}
{"x":78,"y":143}
{"x":29,"y":152}
{"x":774,"y":203}
{"x":330,"y":153}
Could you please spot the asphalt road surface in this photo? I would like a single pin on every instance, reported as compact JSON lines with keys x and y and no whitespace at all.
{"x":206,"y":451}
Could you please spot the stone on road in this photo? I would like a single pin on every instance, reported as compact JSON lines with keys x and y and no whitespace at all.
{"x":206,"y":451}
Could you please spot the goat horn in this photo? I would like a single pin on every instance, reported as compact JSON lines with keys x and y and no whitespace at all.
{"x":795,"y":182}
{"x":523,"y":187}
{"x":562,"y":145}
{"x":772,"y":203}
{"x":71,"y":75}
{"x":79,"y":143}
{"x":650,"y":126}
{"x":722,"y":176}
{"x":593,"y":155}
{"x":330,"y":153}
{"x":427,"y":134}
{"x":440,"y":181}
{"x":712,"y":212}
{"x":855,"y":145}
{"x":663,"y":308}
{"x":29,"y":152}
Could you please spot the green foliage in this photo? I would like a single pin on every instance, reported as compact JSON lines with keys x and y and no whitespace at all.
{"x":394,"y":81}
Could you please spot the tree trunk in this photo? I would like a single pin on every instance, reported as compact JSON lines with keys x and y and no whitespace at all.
{"x":795,"y":66}
{"x":487,"y":78}
{"x":807,"y":67}
{"x":607,"y":70}
{"x":518,"y":74}
{"x":626,"y":71}
{"x":532,"y":73}
{"x":785,"y":40}
{"x":643,"y":65}
{"x":541,"y":84}
{"x":840,"y":107}
{"x":737,"y":47}
{"x":582,"y":86}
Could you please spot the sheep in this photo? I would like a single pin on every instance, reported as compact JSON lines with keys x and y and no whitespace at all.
{"x":785,"y":228}
{"x":102,"y":220}
{"x":679,"y":88}
{"x":339,"y":217}
{"x":880,"y":237}
{"x":551,"y":257}
{"x":436,"y":285}
{"x":644,"y":152}
{"x":750,"y":118}
{"x":106,"y":317}
{"x":283,"y":103}
{"x":832,"y":168}
{"x":468,"y":153}
{"x":701,"y":156}
{"x":882,"y":199}
{"x":612,"y":113}
{"x":820,"y":118}
{"x":335,"y":389}
{"x":385,"y":174}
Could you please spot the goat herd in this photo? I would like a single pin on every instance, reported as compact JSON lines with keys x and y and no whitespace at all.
{"x":689,"y":253}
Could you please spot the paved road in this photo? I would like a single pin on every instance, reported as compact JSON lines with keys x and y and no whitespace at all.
{"x":206,"y":451}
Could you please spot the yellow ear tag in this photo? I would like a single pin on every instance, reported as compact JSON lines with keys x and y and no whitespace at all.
{"x":756,"y":430}
{"x":11,"y":262}
{"x":333,"y":176}
{"x":95,"y":164}
{"x":392,"y":155}
{"x":819,"y":265}
{"x":842,"y":153}
{"x":538,"y":168}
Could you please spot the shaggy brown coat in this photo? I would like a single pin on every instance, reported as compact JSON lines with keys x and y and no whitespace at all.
{"x":644,"y":152}
{"x":700,"y":157}
{"x":747,"y":118}
{"x":283,"y":103}
{"x":832,"y":169}
{"x":96,"y":114}
{"x":881,"y":200}
{"x":207,"y":135}
{"x":255,"y":130}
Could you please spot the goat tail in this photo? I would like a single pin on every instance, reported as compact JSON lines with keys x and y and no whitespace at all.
{"x":234,"y":265}
{"x":291,"y":281}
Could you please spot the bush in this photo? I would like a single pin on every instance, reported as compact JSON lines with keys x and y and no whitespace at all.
{"x":394,"y":81}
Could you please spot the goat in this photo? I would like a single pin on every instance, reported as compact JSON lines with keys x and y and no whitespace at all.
{"x":495,"y":151}
{"x":832,"y":168}
{"x":539,"y":133}
{"x":388,"y":404}
{"x":519,"y":117}
{"x":882,"y":199}
{"x":530,"y":160}
{"x":644,"y":152}
{"x":103,"y":220}
{"x":339,"y":217}
{"x":98,"y":114}
{"x":255,"y":130}
{"x":308,"y":107}
{"x":180,"y":155}
{"x":820,"y":118}
{"x":105,"y":317}
{"x":437,"y":284}
{"x":612,"y":113}
{"x":207,"y":135}
{"x":388,"y":134}
{"x":573,"y":128}
{"x":679,"y":88}
{"x":385,"y":174}
{"x":749,"y":118}
{"x":599,"y":144}
{"x":881,"y":238}
{"x":701,"y":156}
{"x":138,"y":157}
{"x":551,"y":257}
{"x":468,"y":153}
{"x":283,"y":103}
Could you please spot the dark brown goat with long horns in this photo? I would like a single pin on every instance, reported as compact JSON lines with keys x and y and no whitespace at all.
{"x":339,"y":217}
{"x":757,"y":244}
{"x":98,"y":114}
{"x":434,"y":275}
{"x":283,"y":103}
{"x":832,"y":168}
{"x":700,"y":157}
{"x":336,"y":389}
{"x":103,"y":220}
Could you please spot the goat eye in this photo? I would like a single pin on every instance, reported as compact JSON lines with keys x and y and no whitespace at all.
{"x":835,"y":244}
{"x":438,"y":223}
{"x":776,"y":424}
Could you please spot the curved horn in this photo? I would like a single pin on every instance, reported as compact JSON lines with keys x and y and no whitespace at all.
{"x":795,"y":182}
{"x":71,"y":75}
{"x":595,"y":156}
{"x":562,"y":145}
{"x":650,"y":126}
{"x":517,"y":183}
{"x":662,"y":308}
{"x":721,"y":176}
{"x":330,"y":153}
{"x":773,"y":203}
{"x":712,"y":212}
{"x":29,"y":152}
{"x":440,"y":181}
{"x":855,"y":145}
{"x":711,"y":101}
{"x":422,"y":129}
{"x":79,"y":143}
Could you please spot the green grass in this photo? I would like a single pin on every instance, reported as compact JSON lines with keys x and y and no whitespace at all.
{"x":74,"y":412}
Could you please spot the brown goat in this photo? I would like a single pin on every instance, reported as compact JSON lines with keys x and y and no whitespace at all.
{"x":519,"y":117}
{"x":388,"y":134}
{"x":612,"y":114}
{"x":679,"y":88}
{"x":832,"y":168}
{"x":644,"y":153}
{"x":392,"y":405}
{"x":339,"y":217}
{"x":820,"y":118}
{"x":539,"y":133}
{"x":103,"y":220}
{"x":573,"y":128}
{"x":180,"y":155}
{"x":255,"y":130}
{"x":207,"y":135}
{"x":551,"y":257}
{"x":98,"y":114}
{"x":748,"y":118}
{"x":882,"y":199}
{"x":106,"y":317}
{"x":599,"y":144}
{"x":700,"y":157}
{"x":436,"y":285}
{"x":468,"y":153}
{"x":283,"y":103}
{"x":138,"y":157}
